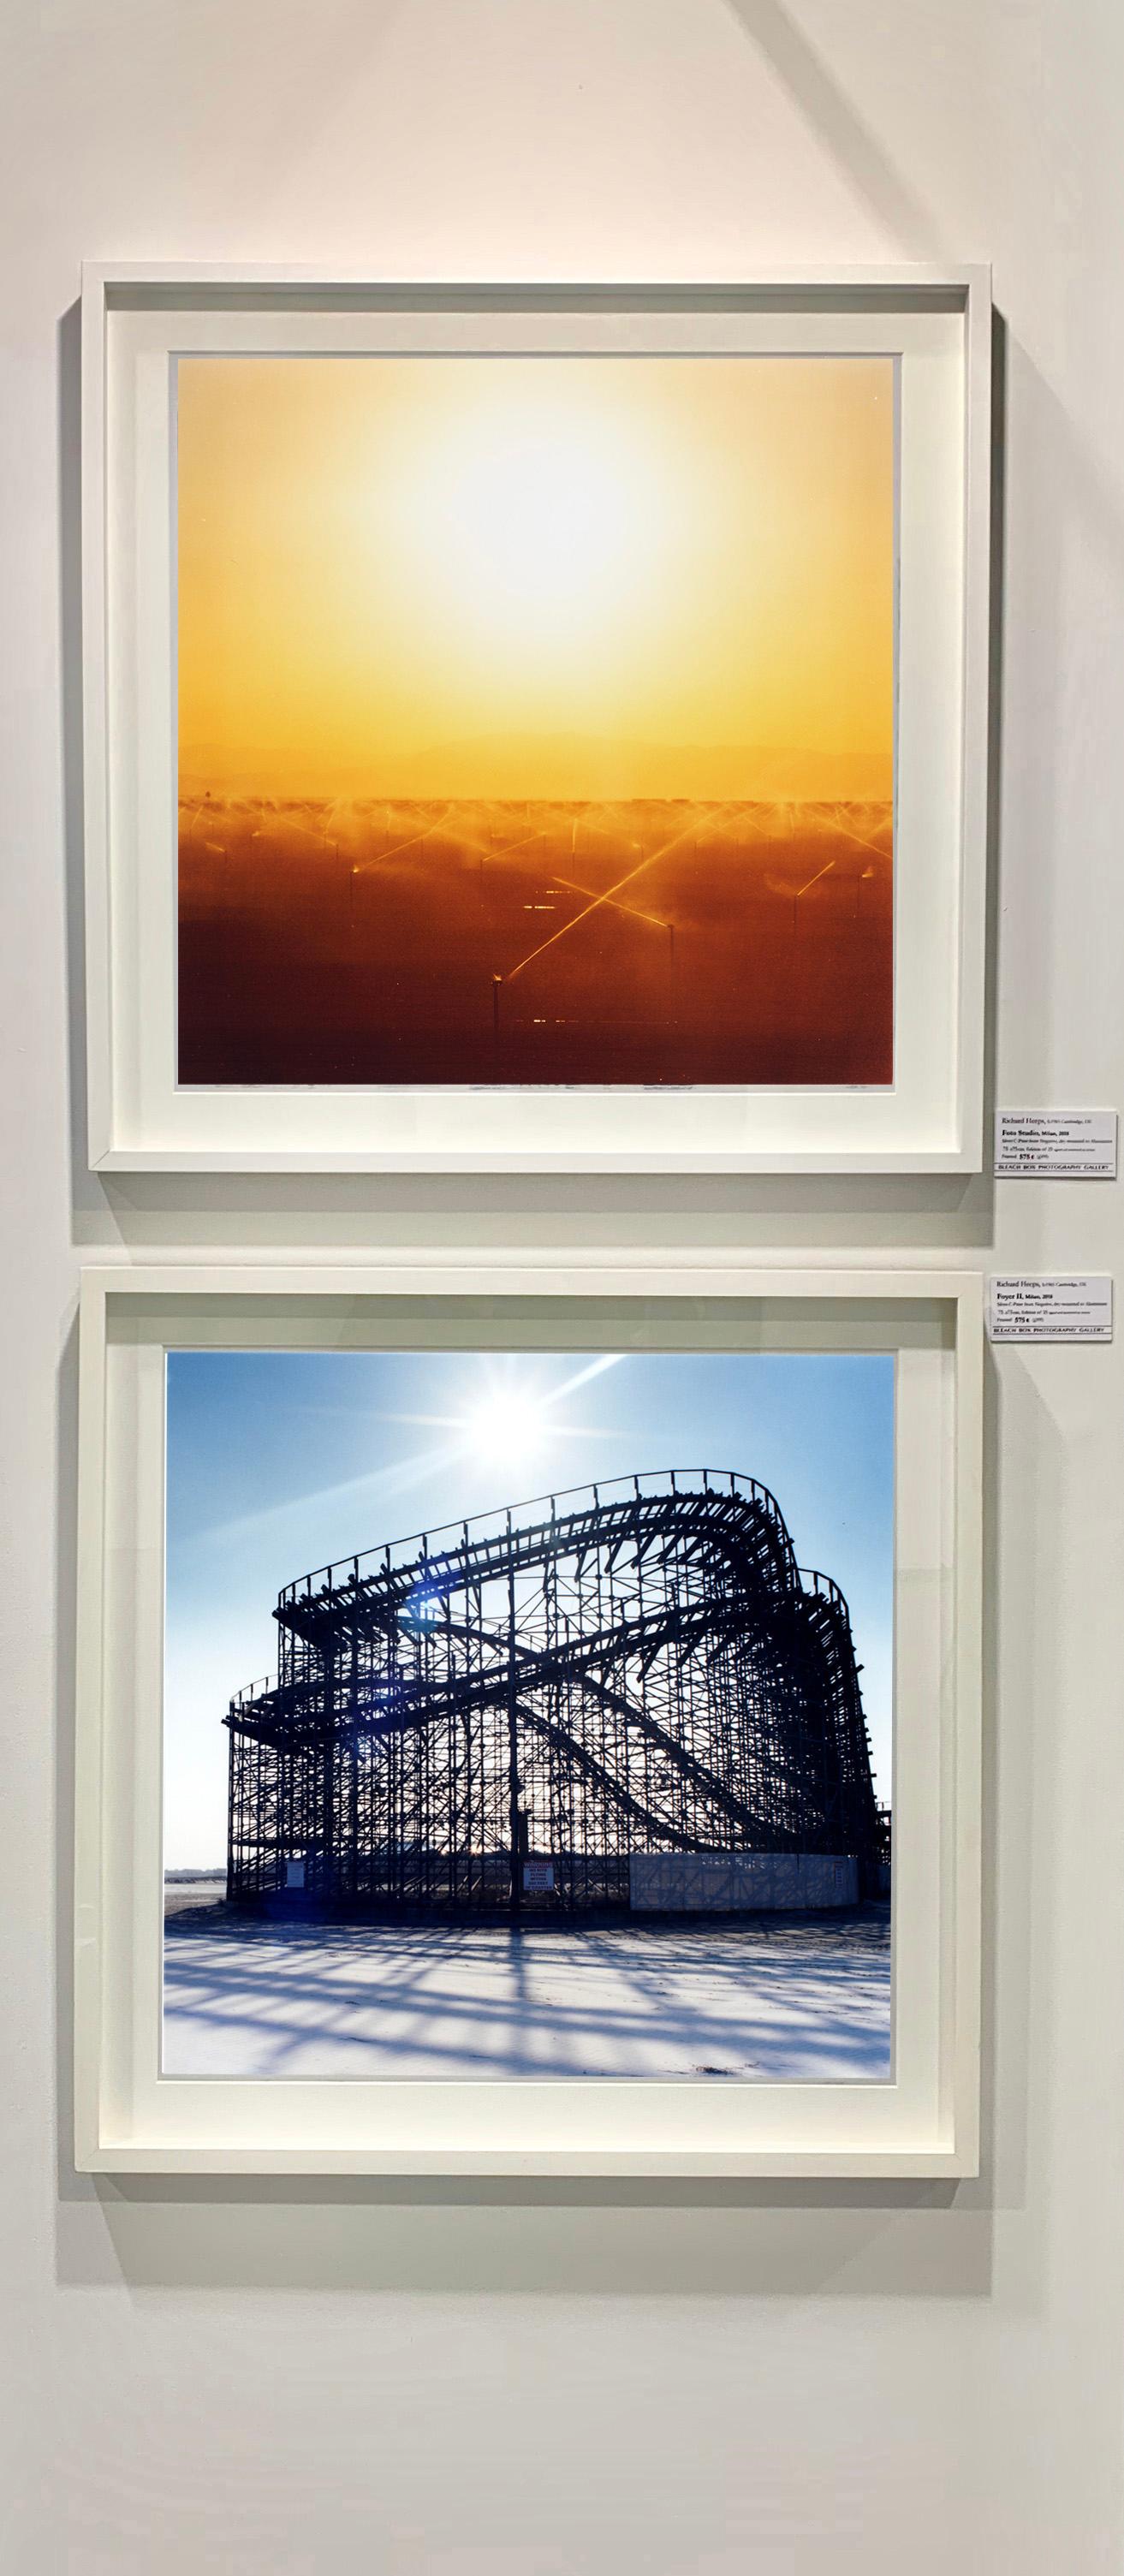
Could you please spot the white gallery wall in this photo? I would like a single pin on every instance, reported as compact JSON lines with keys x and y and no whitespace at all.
{"x":487,"y":2380}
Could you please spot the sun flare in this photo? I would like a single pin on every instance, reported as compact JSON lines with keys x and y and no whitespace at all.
{"x":506,"y":1424}
{"x":539,"y":528}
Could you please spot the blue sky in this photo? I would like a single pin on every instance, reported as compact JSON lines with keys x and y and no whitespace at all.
{"x":279,"y":1461}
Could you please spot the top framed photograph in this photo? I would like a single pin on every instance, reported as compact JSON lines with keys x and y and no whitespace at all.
{"x":535,"y":729}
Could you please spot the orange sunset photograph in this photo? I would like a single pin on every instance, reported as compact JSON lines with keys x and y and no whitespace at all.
{"x":536,"y":719}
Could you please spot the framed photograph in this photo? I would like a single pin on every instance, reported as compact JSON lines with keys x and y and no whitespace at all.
{"x":529,"y":1720}
{"x":535,"y":729}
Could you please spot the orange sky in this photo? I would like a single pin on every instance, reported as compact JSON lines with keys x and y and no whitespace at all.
{"x":539,"y":576}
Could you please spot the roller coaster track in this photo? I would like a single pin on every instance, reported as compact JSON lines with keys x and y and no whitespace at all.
{"x":628,"y":1669}
{"x":736,"y":1510}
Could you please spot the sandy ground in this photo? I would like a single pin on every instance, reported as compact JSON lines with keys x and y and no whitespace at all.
{"x":803,"y":1999}
{"x":185,"y":1895}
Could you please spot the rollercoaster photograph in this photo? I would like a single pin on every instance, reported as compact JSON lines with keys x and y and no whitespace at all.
{"x":573,"y":1751}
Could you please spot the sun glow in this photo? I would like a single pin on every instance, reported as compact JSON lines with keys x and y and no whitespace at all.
{"x":507,"y":1425}
{"x":538,"y":528}
{"x":514,"y":1416}
{"x":525,"y":577}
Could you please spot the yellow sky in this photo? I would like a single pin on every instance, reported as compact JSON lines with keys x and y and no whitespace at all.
{"x":536,"y":576}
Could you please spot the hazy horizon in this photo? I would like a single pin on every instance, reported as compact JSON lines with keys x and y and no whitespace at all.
{"x":549,"y":769}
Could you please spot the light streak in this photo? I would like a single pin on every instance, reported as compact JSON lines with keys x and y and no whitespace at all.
{"x":662,"y":853}
{"x":362,"y":865}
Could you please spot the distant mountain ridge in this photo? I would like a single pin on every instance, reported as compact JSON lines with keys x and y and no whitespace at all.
{"x":561,"y":767}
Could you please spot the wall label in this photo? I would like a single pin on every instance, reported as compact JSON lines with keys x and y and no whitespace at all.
{"x":1028,"y":1309}
{"x":1055,"y":1144}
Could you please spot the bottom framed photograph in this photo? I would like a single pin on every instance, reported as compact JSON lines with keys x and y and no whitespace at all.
{"x":529,"y":1720}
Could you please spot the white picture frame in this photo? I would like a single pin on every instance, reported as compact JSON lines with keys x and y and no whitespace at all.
{"x":924,"y":2122}
{"x":937,"y":325}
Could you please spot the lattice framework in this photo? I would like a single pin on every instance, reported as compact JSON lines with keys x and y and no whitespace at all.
{"x":634,"y":1667}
